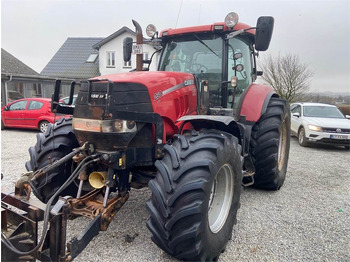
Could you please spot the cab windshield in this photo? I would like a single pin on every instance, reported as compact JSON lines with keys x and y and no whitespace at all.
{"x":205,"y":56}
{"x":193,"y":55}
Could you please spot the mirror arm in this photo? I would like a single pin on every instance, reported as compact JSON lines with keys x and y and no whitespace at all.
{"x":238,"y":32}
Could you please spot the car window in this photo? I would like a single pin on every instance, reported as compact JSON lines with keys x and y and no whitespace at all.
{"x":296,"y":109}
{"x":292,"y":106}
{"x":322,"y":111}
{"x":21,"y":105}
{"x":35,"y":105}
{"x":66,"y":100}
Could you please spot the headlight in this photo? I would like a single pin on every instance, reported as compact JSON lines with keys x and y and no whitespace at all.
{"x":104,"y":126}
{"x":315,"y":128}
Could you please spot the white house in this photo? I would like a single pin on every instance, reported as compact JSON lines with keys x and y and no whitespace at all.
{"x":110,"y":53}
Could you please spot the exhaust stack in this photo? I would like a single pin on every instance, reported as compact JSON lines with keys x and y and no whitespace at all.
{"x":139,"y":41}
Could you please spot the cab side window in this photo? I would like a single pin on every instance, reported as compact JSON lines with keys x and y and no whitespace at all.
{"x":239,"y":56}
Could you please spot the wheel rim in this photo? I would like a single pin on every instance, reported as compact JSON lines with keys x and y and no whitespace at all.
{"x":43,"y":127}
{"x":282,"y":146}
{"x":220,"y":199}
{"x":301,"y":136}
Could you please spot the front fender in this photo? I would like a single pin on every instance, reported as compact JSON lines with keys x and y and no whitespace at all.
{"x":224,"y":123}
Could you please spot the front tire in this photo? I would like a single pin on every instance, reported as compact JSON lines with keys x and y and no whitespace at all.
{"x":195,"y":195}
{"x":269,"y":145}
{"x":58,"y":141}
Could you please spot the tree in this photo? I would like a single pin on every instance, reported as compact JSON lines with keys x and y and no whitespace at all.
{"x":287,"y":76}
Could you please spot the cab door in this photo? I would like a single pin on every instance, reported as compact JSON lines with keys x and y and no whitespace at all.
{"x":240,"y":66}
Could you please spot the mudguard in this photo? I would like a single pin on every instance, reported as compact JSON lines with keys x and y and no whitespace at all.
{"x":255,"y":102}
{"x":225,"y":123}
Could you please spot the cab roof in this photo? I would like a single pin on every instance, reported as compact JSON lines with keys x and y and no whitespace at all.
{"x":216,"y":27}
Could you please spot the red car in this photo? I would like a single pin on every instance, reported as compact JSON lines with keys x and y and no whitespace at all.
{"x":31,"y":113}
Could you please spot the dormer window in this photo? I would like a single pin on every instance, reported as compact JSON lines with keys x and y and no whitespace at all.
{"x":92,"y":58}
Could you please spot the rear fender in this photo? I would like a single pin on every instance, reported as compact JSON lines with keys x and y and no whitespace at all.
{"x":255,"y":102}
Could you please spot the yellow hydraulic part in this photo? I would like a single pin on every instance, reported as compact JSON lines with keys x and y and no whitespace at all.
{"x":97,"y":179}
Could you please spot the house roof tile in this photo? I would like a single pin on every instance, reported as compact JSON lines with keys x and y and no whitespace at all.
{"x":70,"y":61}
{"x":112,"y":36}
{"x":11,"y":65}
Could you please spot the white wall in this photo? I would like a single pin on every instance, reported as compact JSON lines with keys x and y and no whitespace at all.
{"x":116,"y":45}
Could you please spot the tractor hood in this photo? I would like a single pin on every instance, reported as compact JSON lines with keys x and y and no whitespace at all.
{"x":158,"y":83}
{"x":169,"y":94}
{"x":143,"y":97}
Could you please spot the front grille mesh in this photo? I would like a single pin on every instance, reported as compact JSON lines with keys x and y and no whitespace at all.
{"x":334,"y":130}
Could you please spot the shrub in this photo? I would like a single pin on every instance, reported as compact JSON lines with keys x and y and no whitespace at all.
{"x":345,"y":109}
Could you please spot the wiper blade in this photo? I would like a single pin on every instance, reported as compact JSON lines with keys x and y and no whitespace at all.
{"x":201,"y":41}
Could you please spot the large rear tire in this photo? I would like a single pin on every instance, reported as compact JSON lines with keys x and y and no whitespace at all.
{"x":269,"y":147}
{"x":58,"y":141}
{"x":195,"y":195}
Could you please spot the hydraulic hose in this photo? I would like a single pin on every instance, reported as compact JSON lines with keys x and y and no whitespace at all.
{"x":6,"y":241}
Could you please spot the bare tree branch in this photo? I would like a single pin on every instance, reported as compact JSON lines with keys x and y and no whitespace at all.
{"x":287,"y":76}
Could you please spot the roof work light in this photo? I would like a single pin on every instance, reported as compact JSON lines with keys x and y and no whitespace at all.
{"x":151,"y":30}
{"x":231,"y":19}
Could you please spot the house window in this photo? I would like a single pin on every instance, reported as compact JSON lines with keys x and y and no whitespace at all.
{"x":36,"y":90}
{"x":145,"y":56}
{"x":92,"y":58}
{"x":110,"y":59}
{"x":127,"y":64}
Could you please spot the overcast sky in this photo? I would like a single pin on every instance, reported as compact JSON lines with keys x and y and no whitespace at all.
{"x":317,"y":31}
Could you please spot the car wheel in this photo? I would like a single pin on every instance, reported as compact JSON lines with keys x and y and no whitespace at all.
{"x":43,"y":125}
{"x":301,"y":137}
{"x":2,"y":126}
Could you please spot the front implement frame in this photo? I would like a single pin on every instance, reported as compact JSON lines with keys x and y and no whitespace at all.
{"x":20,"y":220}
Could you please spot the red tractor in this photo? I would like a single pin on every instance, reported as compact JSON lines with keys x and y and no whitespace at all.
{"x":194,"y":132}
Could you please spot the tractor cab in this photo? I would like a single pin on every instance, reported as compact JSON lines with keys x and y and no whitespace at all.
{"x":221,"y":56}
{"x":214,"y":61}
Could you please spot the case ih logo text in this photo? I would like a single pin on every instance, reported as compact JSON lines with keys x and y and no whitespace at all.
{"x":98,"y":95}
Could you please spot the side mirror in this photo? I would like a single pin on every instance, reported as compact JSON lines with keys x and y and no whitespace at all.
{"x":263,"y":33}
{"x":127,"y":48}
{"x":296,"y":115}
{"x":6,"y":108}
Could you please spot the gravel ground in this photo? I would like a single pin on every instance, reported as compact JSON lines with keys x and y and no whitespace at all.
{"x":307,"y":220}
